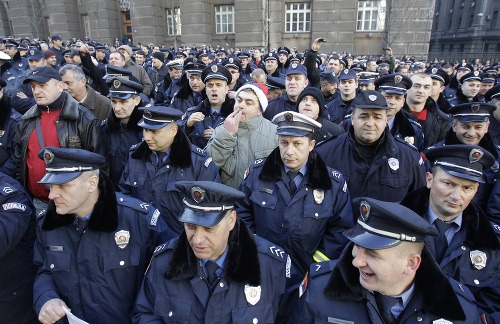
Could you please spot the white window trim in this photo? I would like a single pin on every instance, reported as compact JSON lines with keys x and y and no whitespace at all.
{"x":227,"y":12}
{"x":304,"y":10}
{"x":368,"y":8}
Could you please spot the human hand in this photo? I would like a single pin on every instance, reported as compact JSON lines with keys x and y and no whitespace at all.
{"x":194,"y":118}
{"x":52,"y":311}
{"x":231,"y":123}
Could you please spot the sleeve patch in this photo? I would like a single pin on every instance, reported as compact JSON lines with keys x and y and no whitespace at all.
{"x":14,"y":205}
{"x":154,"y":218}
{"x":207,"y":162}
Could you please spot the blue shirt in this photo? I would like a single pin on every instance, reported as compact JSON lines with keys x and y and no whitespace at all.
{"x":220,"y":262}
{"x":457,"y":224}
{"x":163,"y":159}
{"x":300,"y":175}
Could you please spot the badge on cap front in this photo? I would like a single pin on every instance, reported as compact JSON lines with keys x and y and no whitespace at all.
{"x":252,"y":294}
{"x":122,"y":238}
{"x":478,"y":259}
{"x":476,"y":73}
{"x":372,"y":97}
{"x":475,"y":108}
{"x":32,"y":52}
{"x":117,"y":84}
{"x":214,"y":68}
{"x":441,"y":321}
{"x":294,"y":65}
{"x":364,"y":210}
{"x":434,"y":70}
{"x":346,"y":71}
{"x":48,"y":156}
{"x":475,"y":155}
{"x":197,"y":194}
{"x":393,"y":164}
{"x":397,"y":79}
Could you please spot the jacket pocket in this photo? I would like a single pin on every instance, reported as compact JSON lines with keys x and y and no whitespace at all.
{"x":253,"y":314}
{"x":317,"y":205}
{"x":395,"y":182}
{"x":58,"y":261}
{"x":172,"y":310}
{"x":136,"y":180}
{"x":120,"y":259}
{"x":263,"y":199}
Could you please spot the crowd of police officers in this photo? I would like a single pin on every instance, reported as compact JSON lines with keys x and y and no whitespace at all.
{"x":378,"y":202}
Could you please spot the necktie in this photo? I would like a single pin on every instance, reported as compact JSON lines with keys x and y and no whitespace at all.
{"x":385,"y":303}
{"x":291,"y":182}
{"x":441,"y":241}
{"x":212,"y":277}
{"x":82,"y":224}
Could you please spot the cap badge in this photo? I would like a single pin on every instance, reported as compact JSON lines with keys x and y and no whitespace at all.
{"x":117,"y":84}
{"x":372,"y":97}
{"x":464,"y":64}
{"x":475,"y":108}
{"x":434,"y":70}
{"x":32,"y":52}
{"x":398,"y":79}
{"x":148,"y":114}
{"x":476,"y":73}
{"x":319,"y":195}
{"x":346,"y":71}
{"x":294,"y":65}
{"x":364,"y":210}
{"x":393,"y":164}
{"x":270,"y":54}
{"x":252,"y":294}
{"x":478,"y":259}
{"x":122,"y":238}
{"x":195,"y":59}
{"x":214,"y":68}
{"x":288,"y":117}
{"x":197,"y":194}
{"x":48,"y":156}
{"x":475,"y":155}
{"x":231,"y":60}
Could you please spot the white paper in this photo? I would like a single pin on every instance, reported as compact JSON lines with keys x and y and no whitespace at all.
{"x":72,"y":319}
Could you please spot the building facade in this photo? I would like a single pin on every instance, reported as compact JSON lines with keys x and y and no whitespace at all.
{"x":351,"y":26}
{"x":466,"y":29}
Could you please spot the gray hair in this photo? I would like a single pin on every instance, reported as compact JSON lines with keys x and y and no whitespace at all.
{"x":77,"y":71}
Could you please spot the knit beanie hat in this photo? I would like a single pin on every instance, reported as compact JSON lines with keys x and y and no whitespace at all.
{"x":316,"y":94}
{"x":259,"y":93}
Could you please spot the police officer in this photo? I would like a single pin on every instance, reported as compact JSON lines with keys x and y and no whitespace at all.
{"x":8,"y":122}
{"x":92,"y":244}
{"x":13,"y":70}
{"x":341,"y":106}
{"x":293,"y":199}
{"x":467,"y":248}
{"x":385,"y":275}
{"x":120,"y":130}
{"x":201,"y":120}
{"x":216,"y":271}
{"x":162,"y":158}
{"x":329,"y":86}
{"x":492,"y":96}
{"x":440,"y":79}
{"x":401,"y":124}
{"x":470,"y":127}
{"x":374,"y":163}
{"x":191,"y":91}
{"x":470,"y":84}
{"x":17,"y":271}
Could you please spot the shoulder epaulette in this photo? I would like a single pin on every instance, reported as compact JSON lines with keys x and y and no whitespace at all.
{"x":104,"y":122}
{"x":132,"y":203}
{"x":7,"y":190}
{"x":258,"y":161}
{"x":319,"y":268}
{"x":198,"y":150}
{"x":133,"y":147}
{"x":496,"y":228}
{"x":164,"y":247}
{"x":192,"y":108}
{"x":462,"y":290}
{"x":336,"y":175}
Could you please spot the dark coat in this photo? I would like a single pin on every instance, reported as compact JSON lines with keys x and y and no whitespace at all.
{"x":95,"y":277}
{"x":335,"y":295}
{"x":156,"y":185}
{"x":8,"y":123}
{"x":175,"y":289}
{"x":99,"y":105}
{"x":280,"y":104}
{"x":476,"y":234}
{"x":311,"y":219}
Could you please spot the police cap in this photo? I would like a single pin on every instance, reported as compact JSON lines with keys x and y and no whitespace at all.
{"x":291,"y":123}
{"x":393,"y":83}
{"x":472,"y":112}
{"x":275,"y":82}
{"x":463,"y":161}
{"x":193,"y":65}
{"x":283,"y":50}
{"x":43,"y":74}
{"x":206,"y":202}
{"x":66,"y":164}
{"x":328,"y":77}
{"x":471,"y":76}
{"x":233,"y":62}
{"x":369,"y":99}
{"x":347,"y":74}
{"x":175,"y":64}
{"x":157,"y":117}
{"x":244,"y":55}
{"x":439,"y":74}
{"x":34,"y":54}
{"x":116,"y":71}
{"x":493,"y":93}
{"x":122,"y":88}
{"x":216,"y":71}
{"x":270,"y":56}
{"x":296,"y":68}
{"x":464,"y":67}
{"x":382,"y":225}
{"x":11,"y":43}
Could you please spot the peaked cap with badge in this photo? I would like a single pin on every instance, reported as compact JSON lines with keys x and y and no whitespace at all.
{"x":439,"y":74}
{"x":123,"y":88}
{"x":291,"y":123}
{"x":157,"y":117}
{"x":369,"y":99}
{"x":296,"y":68}
{"x":194,"y":66}
{"x":42,"y":74}
{"x":216,"y":71}
{"x":347,"y":74}
{"x":471,"y":76}
{"x":393,"y":83}
{"x":472,"y":112}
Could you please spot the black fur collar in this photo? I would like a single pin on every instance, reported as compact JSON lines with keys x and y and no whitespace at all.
{"x":431,"y":286}
{"x":317,"y":172}
{"x":114,"y":123}
{"x":402,"y":125}
{"x":104,"y":217}
{"x":226,"y":109}
{"x":486,"y":142}
{"x":180,"y":151}
{"x":185,"y":91}
{"x":242,"y":261}
{"x":480,"y":234}
{"x":5,"y":111}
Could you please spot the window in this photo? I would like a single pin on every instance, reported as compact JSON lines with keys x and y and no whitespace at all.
{"x":371,"y":15}
{"x":494,"y":19}
{"x":86,"y":26}
{"x":224,"y":19}
{"x":174,"y":21}
{"x":298,"y":17}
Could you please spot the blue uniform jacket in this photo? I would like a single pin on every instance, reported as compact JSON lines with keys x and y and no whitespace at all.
{"x":8,"y":122}
{"x":96,"y":277}
{"x":312,"y":219}
{"x":337,"y":110}
{"x":477,"y":236}
{"x":156,"y":185}
{"x":12,"y":73}
{"x":251,"y":289}
{"x":17,"y":271}
{"x":396,"y":169}
{"x":334,"y":295}
{"x":195,"y":133}
{"x":280,"y":104}
{"x":117,"y":140}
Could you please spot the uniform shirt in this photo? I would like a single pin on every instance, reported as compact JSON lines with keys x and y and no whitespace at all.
{"x":450,"y":231}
